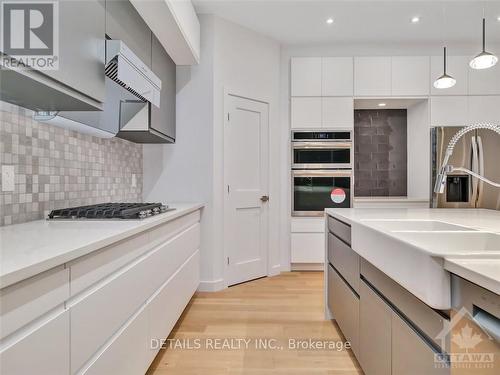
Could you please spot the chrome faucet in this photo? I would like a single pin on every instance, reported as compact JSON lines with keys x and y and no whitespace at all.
{"x":447,"y":168}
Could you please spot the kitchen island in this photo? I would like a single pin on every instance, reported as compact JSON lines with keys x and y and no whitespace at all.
{"x":395,"y":278}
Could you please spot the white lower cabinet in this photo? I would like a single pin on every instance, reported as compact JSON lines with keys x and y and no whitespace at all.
{"x":44,"y":351}
{"x":127,"y":354}
{"x":308,"y":248}
{"x":171,"y":299}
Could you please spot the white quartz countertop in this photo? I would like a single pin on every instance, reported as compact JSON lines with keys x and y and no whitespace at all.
{"x":462,"y":258}
{"x":30,"y":248}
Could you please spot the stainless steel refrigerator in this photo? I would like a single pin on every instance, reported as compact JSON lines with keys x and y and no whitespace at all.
{"x":478,"y":151}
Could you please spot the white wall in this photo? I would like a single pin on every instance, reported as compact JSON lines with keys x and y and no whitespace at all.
{"x":244,"y":63}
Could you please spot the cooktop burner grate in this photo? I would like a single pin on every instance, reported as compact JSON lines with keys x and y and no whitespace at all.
{"x":110,"y":211}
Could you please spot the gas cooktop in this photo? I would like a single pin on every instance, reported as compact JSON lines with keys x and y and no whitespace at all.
{"x":110,"y":211}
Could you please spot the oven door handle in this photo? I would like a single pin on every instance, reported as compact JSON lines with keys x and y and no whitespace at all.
{"x":322,"y":173}
{"x":322,"y":145}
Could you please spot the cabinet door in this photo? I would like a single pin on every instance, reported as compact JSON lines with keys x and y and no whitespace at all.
{"x":163,"y":117}
{"x":410,"y":76}
{"x":337,"y":113}
{"x":484,"y":109}
{"x":375,"y":319}
{"x":485,"y":81}
{"x":45,"y":351}
{"x":305,"y":113}
{"x":124,"y":23}
{"x":457,"y":67}
{"x":337,"y":76}
{"x":306,"y":76}
{"x":344,"y":305}
{"x":372,"y":76}
{"x":81,"y":47}
{"x":411,"y":355}
{"x":308,"y":247}
{"x":449,"y":110}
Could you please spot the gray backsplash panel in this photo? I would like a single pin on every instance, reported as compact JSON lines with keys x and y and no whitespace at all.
{"x":380,"y":154}
{"x":57,"y":168}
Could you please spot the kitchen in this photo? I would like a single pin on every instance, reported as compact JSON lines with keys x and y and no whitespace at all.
{"x":289,"y":181}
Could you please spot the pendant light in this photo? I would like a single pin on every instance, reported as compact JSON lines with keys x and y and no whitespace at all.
{"x":445,"y":81}
{"x":485,"y":59}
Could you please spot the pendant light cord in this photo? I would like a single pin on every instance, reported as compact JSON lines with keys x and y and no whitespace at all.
{"x":484,"y":34}
{"x":444,"y":60}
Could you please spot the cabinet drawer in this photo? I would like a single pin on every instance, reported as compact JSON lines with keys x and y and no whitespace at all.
{"x":166,"y":261}
{"x":166,"y":306}
{"x":27,"y":300}
{"x":127,"y":354}
{"x":163,"y":232}
{"x":45,"y":351}
{"x":340,"y":229}
{"x":345,"y":260}
{"x":344,"y":305}
{"x":374,"y":333}
{"x":88,"y":270}
{"x":411,"y":355}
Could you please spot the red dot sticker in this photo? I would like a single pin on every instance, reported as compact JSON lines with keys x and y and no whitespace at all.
{"x":337,"y":195}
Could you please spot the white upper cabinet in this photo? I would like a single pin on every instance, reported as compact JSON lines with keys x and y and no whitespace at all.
{"x":457,"y":67}
{"x":484,"y":109}
{"x":306,"y":113}
{"x":337,"y":76}
{"x":337,"y":113}
{"x":306,"y":76}
{"x":485,"y":81}
{"x":449,"y":110}
{"x":372,"y":76}
{"x":410,"y":76}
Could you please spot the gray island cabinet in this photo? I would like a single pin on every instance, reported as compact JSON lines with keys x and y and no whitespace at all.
{"x":390,"y":330}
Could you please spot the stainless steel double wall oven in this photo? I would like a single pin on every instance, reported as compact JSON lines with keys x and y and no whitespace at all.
{"x":322,"y":171}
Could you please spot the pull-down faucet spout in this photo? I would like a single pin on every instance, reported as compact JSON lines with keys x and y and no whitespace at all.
{"x":447,"y":168}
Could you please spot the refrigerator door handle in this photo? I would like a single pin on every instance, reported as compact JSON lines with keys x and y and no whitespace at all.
{"x":474,"y":168}
{"x":480,"y":162}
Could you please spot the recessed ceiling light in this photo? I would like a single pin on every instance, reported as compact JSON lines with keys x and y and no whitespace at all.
{"x":415,"y":19}
{"x":329,"y":21}
{"x":382,"y":104}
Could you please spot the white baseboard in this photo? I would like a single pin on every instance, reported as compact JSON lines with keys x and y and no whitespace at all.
{"x":211,"y":286}
{"x":275,"y":270}
{"x":307,"y":267}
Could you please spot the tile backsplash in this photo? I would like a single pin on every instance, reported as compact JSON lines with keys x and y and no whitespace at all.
{"x":57,"y":168}
{"x":380,"y":141}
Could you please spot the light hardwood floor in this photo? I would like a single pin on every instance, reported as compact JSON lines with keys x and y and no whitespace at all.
{"x":288,"y":306}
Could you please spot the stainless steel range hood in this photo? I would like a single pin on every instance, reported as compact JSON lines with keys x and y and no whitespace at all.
{"x":130,"y":88}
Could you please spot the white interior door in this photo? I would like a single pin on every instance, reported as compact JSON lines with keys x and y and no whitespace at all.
{"x":246,"y":183}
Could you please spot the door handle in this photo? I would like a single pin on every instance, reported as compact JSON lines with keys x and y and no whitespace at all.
{"x":264,"y":198}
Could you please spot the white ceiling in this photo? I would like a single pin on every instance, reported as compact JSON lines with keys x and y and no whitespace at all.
{"x":361,"y":22}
